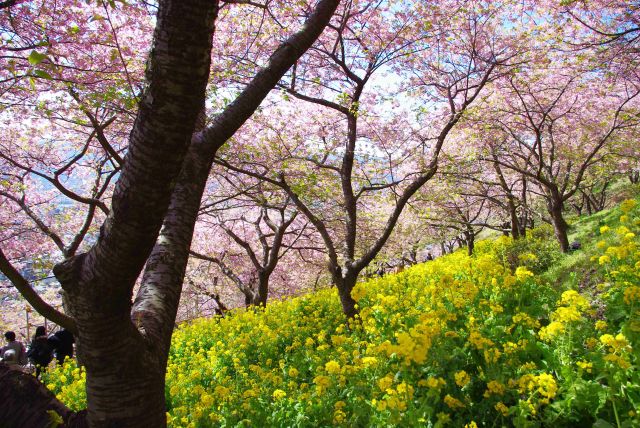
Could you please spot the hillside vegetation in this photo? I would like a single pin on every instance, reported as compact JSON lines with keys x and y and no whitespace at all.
{"x":518,"y":334}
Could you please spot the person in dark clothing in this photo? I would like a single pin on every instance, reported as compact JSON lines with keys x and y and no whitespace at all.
{"x":62,"y":343}
{"x":40,"y":352}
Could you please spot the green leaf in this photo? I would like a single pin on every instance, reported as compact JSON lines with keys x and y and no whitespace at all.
{"x":36,"y":57}
{"x":55,"y":420}
{"x":43,"y":74}
{"x":601,"y":423}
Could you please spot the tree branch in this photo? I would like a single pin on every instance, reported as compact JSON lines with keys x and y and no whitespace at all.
{"x":30,"y":295}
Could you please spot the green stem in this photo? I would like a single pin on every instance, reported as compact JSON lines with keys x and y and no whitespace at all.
{"x":615,"y":412}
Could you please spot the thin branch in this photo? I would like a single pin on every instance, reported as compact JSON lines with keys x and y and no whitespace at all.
{"x":30,"y":295}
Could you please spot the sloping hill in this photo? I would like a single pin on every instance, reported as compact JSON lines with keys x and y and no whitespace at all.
{"x":518,"y":335}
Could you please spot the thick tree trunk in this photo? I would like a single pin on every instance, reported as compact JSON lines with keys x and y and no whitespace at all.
{"x":125,"y":371}
{"x":522,"y":225}
{"x":560,"y":226}
{"x":124,"y":359}
{"x":256,"y":294}
{"x":470,"y":238}
{"x":345,"y":285}
{"x":248,"y":300}
{"x":263,"y":290}
{"x":135,"y":402}
{"x":513,"y":214}
{"x":125,"y":351}
{"x":515,"y":226}
{"x":26,"y":402}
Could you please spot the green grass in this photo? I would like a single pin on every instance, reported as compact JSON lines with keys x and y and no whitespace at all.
{"x":574,"y":270}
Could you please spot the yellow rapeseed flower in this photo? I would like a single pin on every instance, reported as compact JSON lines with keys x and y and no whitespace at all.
{"x":494,"y":388}
{"x":622,"y":230}
{"x":322,"y":382}
{"x":632,"y":294}
{"x":453,"y":402}
{"x":573,"y":298}
{"x":332,"y":367}
{"x":385,"y":382}
{"x":369,"y":361}
{"x":358,"y":292}
{"x":462,"y":378}
{"x":551,"y":331}
{"x":522,"y":273}
{"x":492,"y":355}
{"x":339,"y":416}
{"x":279,"y":394}
{"x":585,"y":365}
{"x":627,"y":205}
{"x":616,"y":344}
{"x":502,"y":408}
{"x":547,"y":386}
{"x":618,"y":360}
{"x":432,"y":383}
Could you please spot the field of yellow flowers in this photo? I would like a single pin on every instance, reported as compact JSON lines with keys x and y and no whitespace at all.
{"x":460,"y":341}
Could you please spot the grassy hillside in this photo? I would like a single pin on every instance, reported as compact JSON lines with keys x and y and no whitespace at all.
{"x":518,"y":335}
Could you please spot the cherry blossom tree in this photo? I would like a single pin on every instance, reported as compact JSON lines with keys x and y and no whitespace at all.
{"x":458,"y":207}
{"x":264,"y":230}
{"x":444,"y":54}
{"x":611,"y":30}
{"x":154,"y":203}
{"x":610,"y":27}
{"x":553,"y":128}
{"x":69,"y":88}
{"x":469,"y":173}
{"x":114,"y":114}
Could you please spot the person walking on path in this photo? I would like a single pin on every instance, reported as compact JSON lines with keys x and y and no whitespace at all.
{"x":13,"y":353}
{"x":62,"y":343}
{"x":40,"y":351}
